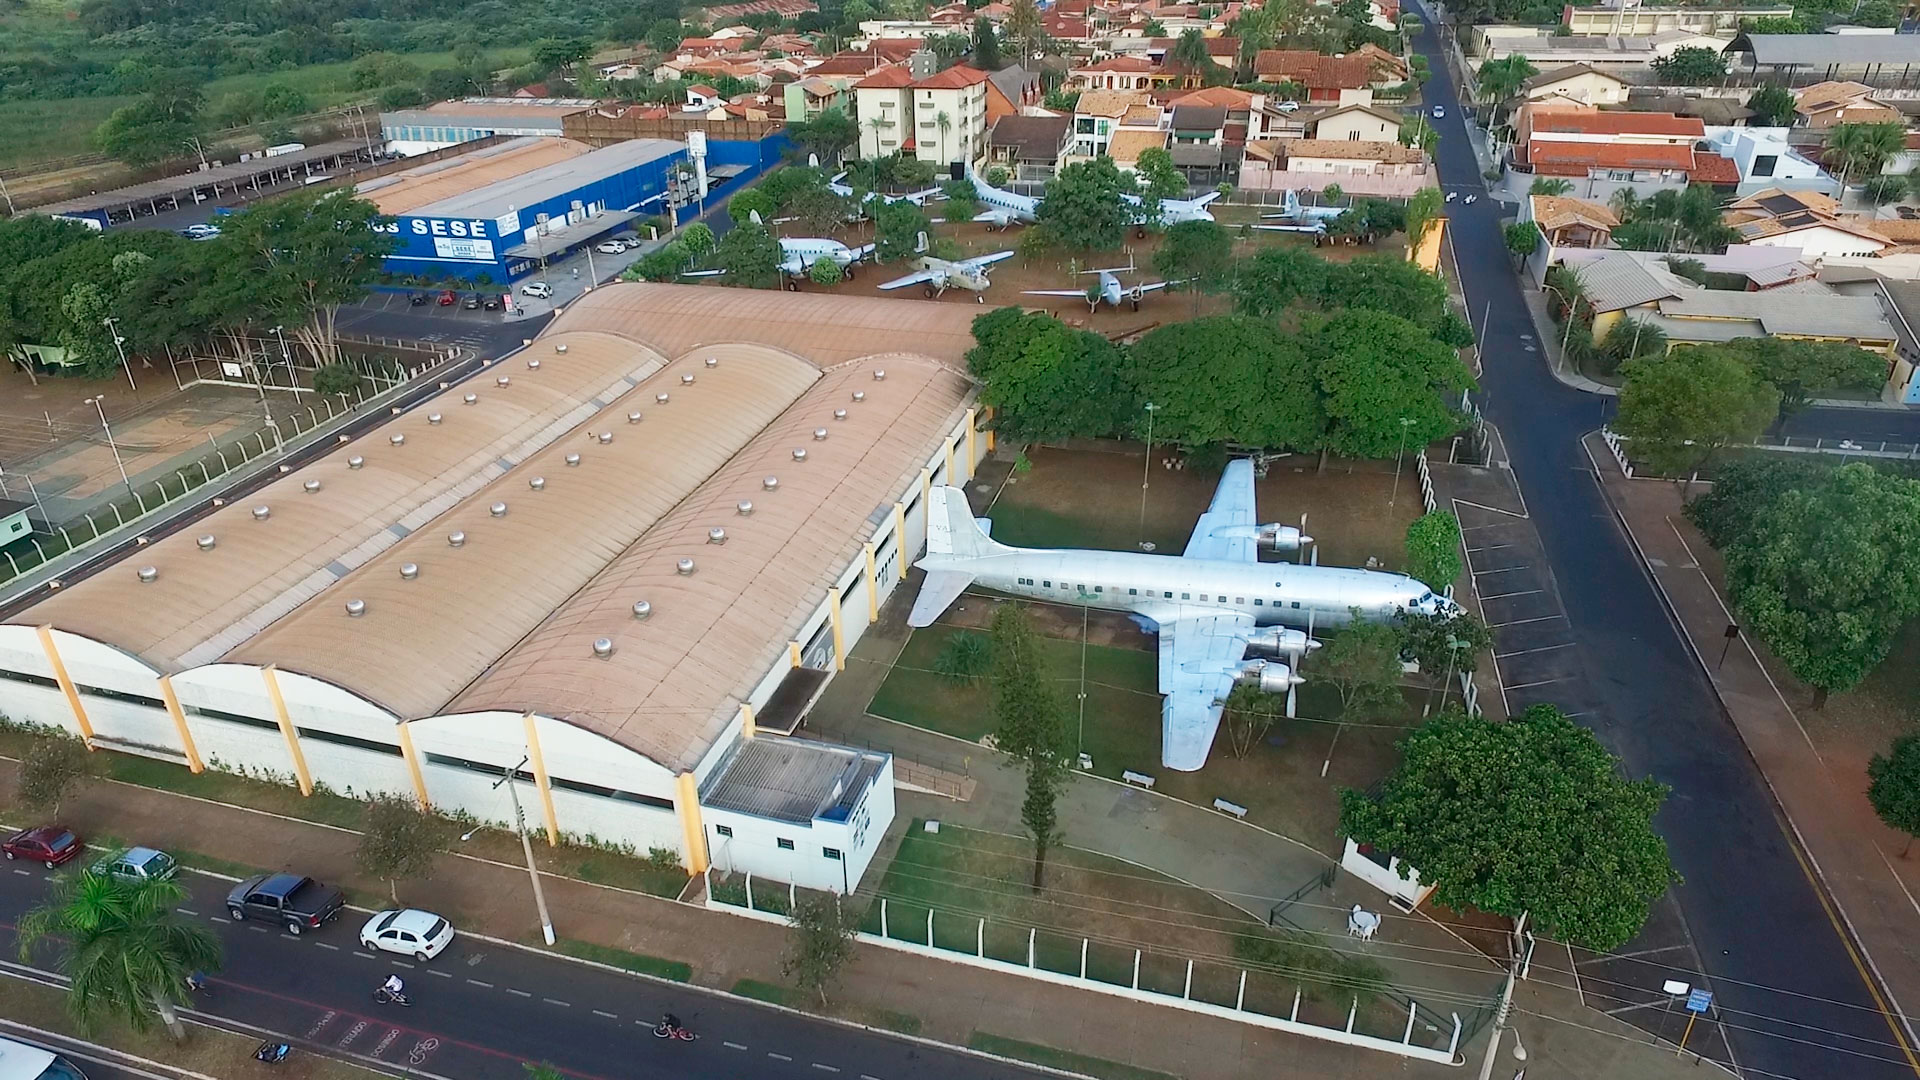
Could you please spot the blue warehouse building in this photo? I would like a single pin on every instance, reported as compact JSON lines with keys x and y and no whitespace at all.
{"x":501,"y":231}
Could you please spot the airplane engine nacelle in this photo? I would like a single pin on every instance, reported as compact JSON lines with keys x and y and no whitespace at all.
{"x":1280,"y":641}
{"x":1276,"y":537}
{"x":1271,"y":676}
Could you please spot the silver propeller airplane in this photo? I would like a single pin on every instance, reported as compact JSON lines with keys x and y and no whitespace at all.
{"x":799,"y":253}
{"x":1291,"y":210}
{"x":939,"y":275}
{"x":1109,"y":289}
{"x":1212,"y":604}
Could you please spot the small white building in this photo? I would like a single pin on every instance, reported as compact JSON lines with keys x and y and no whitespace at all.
{"x":1765,"y":160}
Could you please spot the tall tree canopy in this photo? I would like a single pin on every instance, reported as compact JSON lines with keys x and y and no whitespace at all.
{"x":312,"y":253}
{"x":1083,"y":207}
{"x":1527,"y":815}
{"x":1384,"y":379}
{"x":1046,"y":380}
{"x":1682,"y":407}
{"x":1198,"y":375}
{"x":1272,"y":280}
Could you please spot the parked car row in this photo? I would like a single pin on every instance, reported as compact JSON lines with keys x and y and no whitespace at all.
{"x":448,"y":298}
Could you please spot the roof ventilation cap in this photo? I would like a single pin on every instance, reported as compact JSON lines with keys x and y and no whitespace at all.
{"x":859,"y":396}
{"x":538,"y":483}
{"x":660,"y":398}
{"x":356,"y":461}
{"x":839,"y":414}
{"x":148,"y":574}
{"x":799,"y":453}
{"x":686,"y":379}
{"x":409,"y":571}
{"x":606,"y":437}
{"x":642,"y":609}
{"x":261,"y":513}
{"x":560,"y":347}
{"x":684,"y":566}
{"x":771,"y":483}
{"x":398,"y":440}
{"x":471,"y":398}
{"x":713,"y":361}
{"x":310,"y":486}
{"x":433,"y":418}
{"x":716,"y":536}
{"x":205,"y":543}
{"x":498,"y":509}
{"x":602,"y":647}
{"x":356,"y":608}
{"x":819,"y":434}
{"x":456,"y":538}
{"x":633,"y":418}
{"x":745,"y":507}
{"x":533,"y":365}
{"x":503,"y":381}
{"x":573,"y":459}
{"x":879,"y":374}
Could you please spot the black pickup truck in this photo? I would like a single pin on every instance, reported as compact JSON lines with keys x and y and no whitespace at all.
{"x":295,"y":902}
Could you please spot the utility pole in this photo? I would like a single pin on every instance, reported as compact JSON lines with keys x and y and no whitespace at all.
{"x":1146,"y":472}
{"x":102,"y":410}
{"x":1506,"y":1002}
{"x":118,"y":341}
{"x":526,"y":846}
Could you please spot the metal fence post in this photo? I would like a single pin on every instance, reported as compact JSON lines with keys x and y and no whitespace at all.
{"x":1136,"y":969}
{"x":1352,"y":1011}
{"x":793,"y":898}
{"x":15,"y":565}
{"x":929,"y":928}
{"x":1033,"y":934}
{"x":1413,"y":1010}
{"x":141,"y":501}
{"x":1186,"y":993}
{"x":749,"y":890}
{"x":1240,"y":998}
{"x":65,"y":537}
{"x":1453,"y":1044}
{"x":883,"y":916}
{"x":980,"y":940}
{"x":1083,"y":958}
{"x":1294,"y":1016}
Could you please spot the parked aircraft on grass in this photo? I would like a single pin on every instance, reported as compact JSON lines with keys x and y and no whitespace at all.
{"x":799,"y":253}
{"x":866,"y":207}
{"x":939,"y":275}
{"x":1109,"y":290}
{"x":1291,"y":210}
{"x":1004,"y":208}
{"x":1212,"y":604}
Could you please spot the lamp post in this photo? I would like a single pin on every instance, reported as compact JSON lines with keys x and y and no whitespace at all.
{"x":1399,"y":456}
{"x":1454,"y":645}
{"x":1566,"y":333}
{"x":102,"y":410}
{"x":260,"y":382}
{"x":1146,"y":471}
{"x":526,"y":847}
{"x":118,"y":341}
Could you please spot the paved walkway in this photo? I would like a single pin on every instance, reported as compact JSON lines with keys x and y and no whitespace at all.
{"x":1852,"y":853}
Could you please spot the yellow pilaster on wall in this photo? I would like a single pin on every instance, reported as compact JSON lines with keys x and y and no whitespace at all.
{"x":686,"y":803}
{"x":926,"y":487}
{"x":747,"y":730}
{"x":839,"y":639}
{"x":539,"y":763}
{"x":873,"y":589}
{"x":793,"y":654}
{"x":952,"y":480}
{"x":971,"y":433}
{"x":412,"y":759}
{"x":180,"y":724}
{"x":900,"y":533}
{"x":300,"y":773}
{"x":66,"y":685}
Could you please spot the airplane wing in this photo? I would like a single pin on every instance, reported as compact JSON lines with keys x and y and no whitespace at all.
{"x":1158,"y":285}
{"x":1232,"y":506}
{"x":914,"y":278}
{"x":1199,"y":657}
{"x":1316,"y":227}
{"x":863,"y":251}
{"x":979,"y":261}
{"x":701,"y":273}
{"x":1081,"y":293}
{"x":988,"y":215}
{"x":1205,"y":199}
{"x":919,"y":197}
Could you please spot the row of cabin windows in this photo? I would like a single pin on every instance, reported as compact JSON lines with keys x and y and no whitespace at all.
{"x":1257,"y":601}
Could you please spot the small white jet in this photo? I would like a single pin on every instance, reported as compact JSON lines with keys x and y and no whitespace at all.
{"x":939,"y":275}
{"x":799,"y":253}
{"x":1004,"y":208}
{"x":865,"y":207}
{"x":1212,"y":604}
{"x":1176,"y":211}
{"x":1291,"y":210}
{"x":1109,"y":289}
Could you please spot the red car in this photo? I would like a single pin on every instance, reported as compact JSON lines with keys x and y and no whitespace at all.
{"x":50,"y":844}
{"x":447,"y":298}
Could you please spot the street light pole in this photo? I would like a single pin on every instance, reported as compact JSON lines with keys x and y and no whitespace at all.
{"x":1146,"y":471}
{"x":117,"y":340}
{"x":260,"y":382}
{"x":1398,"y":457}
{"x":102,"y":410}
{"x":526,"y":846}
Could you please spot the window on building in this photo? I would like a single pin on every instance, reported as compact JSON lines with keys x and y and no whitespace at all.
{"x":784,"y":844}
{"x":1764,"y":164}
{"x":831,"y":852}
{"x":1186,"y":596}
{"x":723,"y":830}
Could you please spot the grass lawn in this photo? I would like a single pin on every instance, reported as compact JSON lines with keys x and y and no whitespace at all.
{"x":626,"y":958}
{"x":775,"y":994}
{"x":206,"y":1051}
{"x":1061,"y":1059}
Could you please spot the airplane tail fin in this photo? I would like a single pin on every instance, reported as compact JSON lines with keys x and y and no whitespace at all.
{"x":953,"y":530}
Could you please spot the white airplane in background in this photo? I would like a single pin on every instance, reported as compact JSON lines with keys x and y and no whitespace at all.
{"x":1110,"y":290}
{"x":873,"y":200}
{"x":1175,"y":211}
{"x":798,"y":254}
{"x":1004,"y":208}
{"x":1212,"y":604}
{"x":1291,"y":210}
{"x":943,"y":274}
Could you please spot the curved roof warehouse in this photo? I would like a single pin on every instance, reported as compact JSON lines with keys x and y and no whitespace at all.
{"x":620,"y":555}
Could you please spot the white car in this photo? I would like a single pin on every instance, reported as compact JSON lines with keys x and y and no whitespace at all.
{"x":611,"y":247}
{"x":25,"y":1061}
{"x":1288,"y":106}
{"x":1439,"y":112}
{"x":409,"y":931}
{"x":539,"y":290}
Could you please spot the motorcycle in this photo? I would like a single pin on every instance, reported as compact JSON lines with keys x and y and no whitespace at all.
{"x":272,"y":1053}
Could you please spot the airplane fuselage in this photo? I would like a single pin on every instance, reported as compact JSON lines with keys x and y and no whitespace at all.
{"x":1275,"y":593}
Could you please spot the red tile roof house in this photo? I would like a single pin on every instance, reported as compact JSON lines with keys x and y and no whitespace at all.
{"x":1323,"y":76}
{"x":1617,"y":146}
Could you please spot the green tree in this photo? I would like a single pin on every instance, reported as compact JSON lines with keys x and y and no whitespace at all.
{"x":698,"y":238}
{"x":962,"y":199}
{"x":1862,"y":150}
{"x":966,"y":658}
{"x":1386,"y":283}
{"x":1023,"y":26}
{"x":1191,"y":53}
{"x":1881,"y":190}
{"x":1442,"y":642}
{"x":1894,"y":787}
{"x":307,"y":254}
{"x":1801,"y":370}
{"x":1362,"y":662}
{"x":164,"y":123}
{"x":49,"y":769}
{"x":1523,"y":238}
{"x":543,"y":1070}
{"x":279,"y":99}
{"x":399,"y":840}
{"x":1681,"y":407}
{"x":750,"y":256}
{"x":818,"y":209}
{"x":1029,"y":720}
{"x":561,"y":54}
{"x":1249,"y":714}
{"x":1691,"y":66}
{"x":1501,"y":79}
{"x":1530,"y":815}
{"x":664,"y":263}
{"x":1158,"y":176}
{"x":1039,"y":812}
{"x":1270,"y":281}
{"x":896,"y":230}
{"x":819,"y":944}
{"x":1383,"y":379}
{"x":1046,"y":380}
{"x":335,"y":378}
{"x":1433,"y":549}
{"x":825,"y":272}
{"x":827,"y":133}
{"x":986,"y":45}
{"x":127,"y":954}
{"x":1627,"y":339}
{"x":1422,"y":209}
{"x":1083,"y":207}
{"x":752,"y":201}
{"x":1826,"y":575}
{"x":1772,"y":106}
{"x":1745,"y":488}
{"x":1550,"y":185}
{"x":1198,"y":254}
{"x":1197,"y":374}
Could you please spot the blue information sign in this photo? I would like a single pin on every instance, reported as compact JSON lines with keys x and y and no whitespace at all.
{"x":1698,"y":1000}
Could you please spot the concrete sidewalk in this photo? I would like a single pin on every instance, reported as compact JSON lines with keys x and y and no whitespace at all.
{"x":1852,"y":853}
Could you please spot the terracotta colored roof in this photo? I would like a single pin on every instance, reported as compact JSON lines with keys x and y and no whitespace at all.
{"x":1558,"y":211}
{"x":1713,"y":169}
{"x":896,"y":49}
{"x":1113,"y":103}
{"x":1127,"y":143}
{"x":1387,"y":153}
{"x":958,"y":77}
{"x":1224,"y":96}
{"x":1828,"y":94}
{"x":856,"y":63}
{"x":1216,"y":46}
{"x":1142,"y":115}
{"x":1619,"y":123}
{"x":1574,"y":159}
{"x":891,"y":77}
{"x":1895,"y":229}
{"x":1121,"y":63}
{"x":1313,"y":70}
{"x":1562,"y":74}
{"x":1064,"y":28}
{"x":703,"y":90}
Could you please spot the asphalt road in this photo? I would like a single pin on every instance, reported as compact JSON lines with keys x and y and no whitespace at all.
{"x":1750,"y":907}
{"x":481,"y":1009}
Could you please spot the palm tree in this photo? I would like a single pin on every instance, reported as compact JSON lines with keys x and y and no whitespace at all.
{"x":1554,"y":185}
{"x":1025,"y":26}
{"x":1501,"y":79}
{"x":1859,"y":150}
{"x":945,"y":124}
{"x":1190,"y":53}
{"x":128,"y":956}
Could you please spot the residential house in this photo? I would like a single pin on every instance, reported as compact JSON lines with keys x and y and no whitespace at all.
{"x":807,"y":98}
{"x":1030,"y":147}
{"x":1356,"y":123}
{"x":1827,"y":104}
{"x":1764,"y":159}
{"x":950,"y":112}
{"x":1656,"y":149}
{"x":1548,"y":51}
{"x":1121,"y":73}
{"x":855,"y":63}
{"x":788,"y":45}
{"x":702,"y":96}
{"x":1902,"y":302}
{"x":1012,"y":90}
{"x":1127,"y":144}
{"x":1067,"y":29}
{"x":1225,"y":51}
{"x":1565,"y":223}
{"x":1583,"y":83}
{"x":1387,"y":68}
{"x":1096,"y":115}
{"x":1807,"y":221}
{"x":1327,"y":79}
{"x":1621,"y":285}
{"x":1199,"y":125}
{"x":884,"y":104}
{"x":1246,"y":111}
{"x":1360,"y":168}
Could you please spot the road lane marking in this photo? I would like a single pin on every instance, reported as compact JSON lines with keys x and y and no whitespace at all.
{"x":187,"y":911}
{"x":1504,"y":595}
{"x":1543,"y":648}
{"x":1523,"y":622}
{"x":608,"y":1015}
{"x":218,"y":919}
{"x":864,"y":1076}
{"x":401,"y":963}
{"x":386,"y":1040}
{"x":1525,"y":685}
{"x":824,"y":1068}
{"x":778,"y":1057}
{"x":477,"y":982}
{"x":557,"y":1001}
{"x":324,"y":945}
{"x":1502,"y":570}
{"x":259,"y":929}
{"x":24,"y":873}
{"x":364,"y":955}
{"x":522,"y":993}
{"x":441,"y":974}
